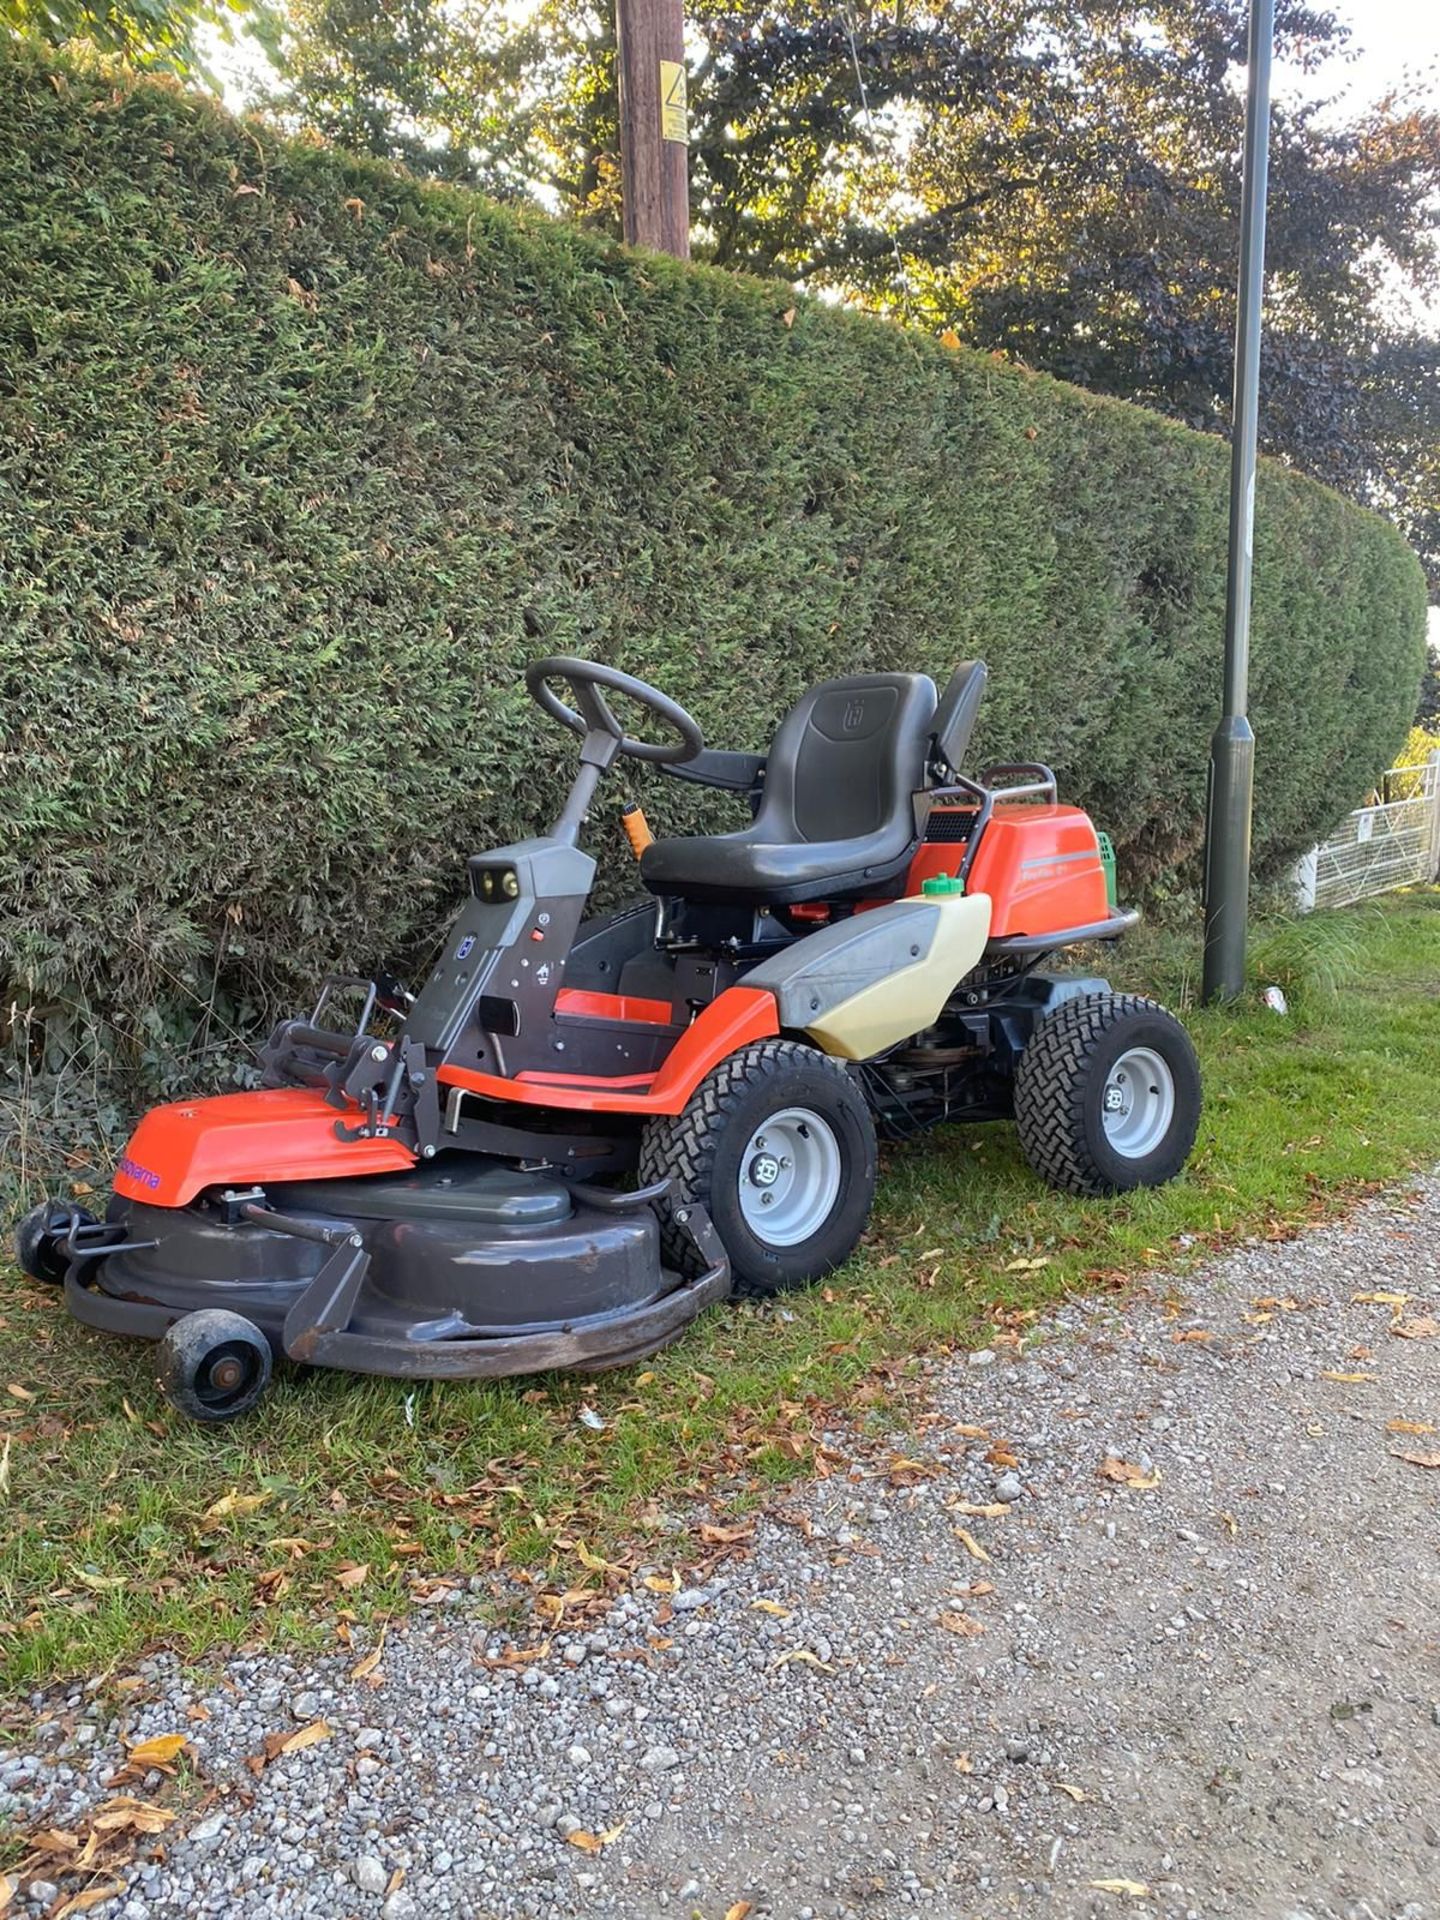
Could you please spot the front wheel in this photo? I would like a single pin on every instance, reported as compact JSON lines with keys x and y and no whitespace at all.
{"x":778,"y":1146}
{"x":40,"y":1240}
{"x":1107,"y":1095}
{"x":213,"y":1365}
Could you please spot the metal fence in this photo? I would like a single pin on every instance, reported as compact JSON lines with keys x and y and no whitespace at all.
{"x":1393,"y":843}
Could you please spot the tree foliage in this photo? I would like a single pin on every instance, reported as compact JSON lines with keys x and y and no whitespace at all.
{"x":1057,"y":182}
{"x":150,"y":33}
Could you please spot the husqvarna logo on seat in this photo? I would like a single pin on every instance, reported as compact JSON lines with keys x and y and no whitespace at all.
{"x":854,"y":716}
{"x":142,"y":1176}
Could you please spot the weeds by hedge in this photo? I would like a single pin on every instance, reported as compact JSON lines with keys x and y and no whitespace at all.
{"x":301,"y":461}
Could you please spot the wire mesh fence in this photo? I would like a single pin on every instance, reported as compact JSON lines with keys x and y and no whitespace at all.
{"x":1395,"y":842}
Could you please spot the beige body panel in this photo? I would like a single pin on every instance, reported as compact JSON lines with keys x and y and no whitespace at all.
{"x":905,"y":1001}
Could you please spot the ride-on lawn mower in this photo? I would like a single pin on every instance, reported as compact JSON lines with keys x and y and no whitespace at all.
{"x":580,"y":1131}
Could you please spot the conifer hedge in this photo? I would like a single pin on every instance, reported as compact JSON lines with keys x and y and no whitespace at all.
{"x":301,"y":461}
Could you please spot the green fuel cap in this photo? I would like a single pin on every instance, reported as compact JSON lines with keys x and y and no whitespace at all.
{"x":942,"y":883}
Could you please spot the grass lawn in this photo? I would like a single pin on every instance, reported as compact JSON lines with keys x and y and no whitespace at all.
{"x":115,"y":1527}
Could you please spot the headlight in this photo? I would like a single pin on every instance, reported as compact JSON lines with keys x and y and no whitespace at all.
{"x":494,"y":884}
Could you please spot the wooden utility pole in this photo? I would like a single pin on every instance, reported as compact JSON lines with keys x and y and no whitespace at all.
{"x":654,"y":156}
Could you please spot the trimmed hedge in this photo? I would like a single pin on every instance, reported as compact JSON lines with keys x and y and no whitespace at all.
{"x":301,"y":461}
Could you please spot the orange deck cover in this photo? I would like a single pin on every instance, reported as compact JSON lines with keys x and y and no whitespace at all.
{"x":278,"y":1133}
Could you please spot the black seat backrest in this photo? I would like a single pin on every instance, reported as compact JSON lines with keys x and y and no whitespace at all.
{"x":955,"y":716}
{"x":847,"y":757}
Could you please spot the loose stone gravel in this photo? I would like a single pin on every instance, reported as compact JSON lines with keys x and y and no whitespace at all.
{"x":1212,"y":1672}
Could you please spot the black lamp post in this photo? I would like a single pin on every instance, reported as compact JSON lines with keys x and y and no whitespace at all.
{"x":1232,"y":750}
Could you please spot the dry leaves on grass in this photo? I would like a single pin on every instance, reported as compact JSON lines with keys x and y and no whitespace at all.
{"x":233,"y":1504}
{"x":1126,"y":1473}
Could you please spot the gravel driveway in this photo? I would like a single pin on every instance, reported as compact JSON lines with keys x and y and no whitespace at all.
{"x":1184,"y":1660}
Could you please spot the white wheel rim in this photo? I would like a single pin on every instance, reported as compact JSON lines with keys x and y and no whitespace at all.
{"x":789,"y":1177}
{"x":1138,"y":1103}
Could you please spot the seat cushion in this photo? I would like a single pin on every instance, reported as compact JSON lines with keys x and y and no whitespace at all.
{"x":744,"y":867}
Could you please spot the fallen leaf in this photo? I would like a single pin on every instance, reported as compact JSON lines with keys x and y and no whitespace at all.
{"x":19,"y":1392}
{"x":771,"y":1606}
{"x":1230,"y":1524}
{"x":963,"y":1624}
{"x":1431,"y":1460}
{"x":949,"y":338}
{"x":1192,"y":1336}
{"x":1028,"y":1266}
{"x":351,"y":1575}
{"x":1420,"y":1326}
{"x":1408,"y":1426}
{"x":904,"y":1472}
{"x":1136,"y":1889}
{"x":1001,"y":1455}
{"x":1380,"y":1299}
{"x":277,"y":1744}
{"x":804,"y":1656}
{"x":739,"y":1911}
{"x":92,"y":1897}
{"x":1077,"y":1794}
{"x":972,"y":1433}
{"x":363,"y":1669}
{"x":714,"y":1536}
{"x":232,"y":1503}
{"x":593,"y":1842}
{"x":7,"y":1891}
{"x":971,"y":1545}
{"x":662,"y":1582}
{"x":1127,"y":1474}
{"x":593,"y":1560}
{"x":962,"y":1763}
{"x":788,"y":317}
{"x":161,"y":1751}
{"x":994,"y":1510}
{"x":1346,"y":1379}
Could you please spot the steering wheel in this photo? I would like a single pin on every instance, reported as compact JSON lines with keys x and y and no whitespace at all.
{"x":587,"y":680}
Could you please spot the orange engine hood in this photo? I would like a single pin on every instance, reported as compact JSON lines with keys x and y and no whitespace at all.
{"x":279,"y":1133}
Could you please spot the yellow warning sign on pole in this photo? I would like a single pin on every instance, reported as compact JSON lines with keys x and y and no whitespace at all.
{"x":672,"y":102}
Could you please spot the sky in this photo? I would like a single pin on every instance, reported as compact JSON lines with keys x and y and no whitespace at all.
{"x":1399,"y":39}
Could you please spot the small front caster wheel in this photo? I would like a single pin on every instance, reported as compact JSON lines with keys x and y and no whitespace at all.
{"x":214,"y":1365}
{"x":40,"y":1240}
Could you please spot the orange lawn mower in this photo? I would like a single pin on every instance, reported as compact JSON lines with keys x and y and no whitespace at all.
{"x":581,"y":1131}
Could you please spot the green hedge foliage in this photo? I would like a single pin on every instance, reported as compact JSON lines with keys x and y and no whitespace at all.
{"x":301,"y":461}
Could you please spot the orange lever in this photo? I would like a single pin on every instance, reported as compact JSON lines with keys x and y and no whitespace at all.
{"x":637,"y":827}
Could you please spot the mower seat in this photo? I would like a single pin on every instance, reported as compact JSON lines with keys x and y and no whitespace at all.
{"x":836,"y":813}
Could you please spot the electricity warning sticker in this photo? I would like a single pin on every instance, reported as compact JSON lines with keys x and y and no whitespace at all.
{"x":672,"y":102}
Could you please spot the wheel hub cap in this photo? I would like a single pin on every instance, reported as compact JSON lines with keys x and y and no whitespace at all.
{"x":790,"y":1177}
{"x":1137,"y":1107}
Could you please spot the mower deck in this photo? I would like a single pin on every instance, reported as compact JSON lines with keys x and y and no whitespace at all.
{"x":462,"y":1268}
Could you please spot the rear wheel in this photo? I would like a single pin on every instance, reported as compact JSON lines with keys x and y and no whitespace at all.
{"x":778,"y":1146}
{"x":1107,"y":1095}
{"x":214,"y":1365}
